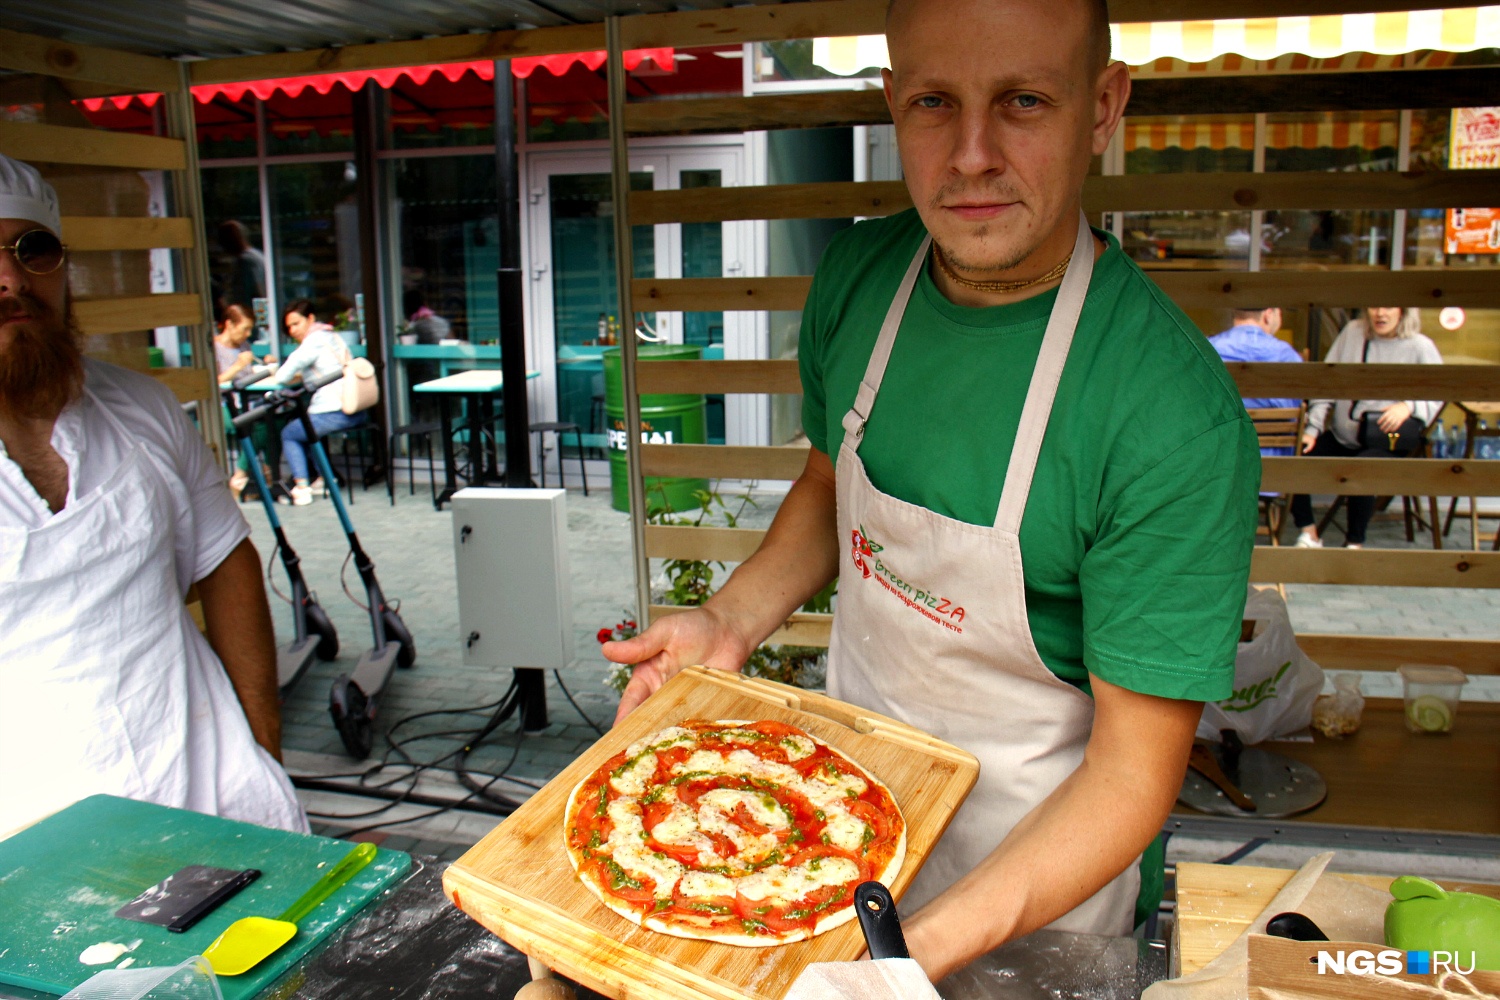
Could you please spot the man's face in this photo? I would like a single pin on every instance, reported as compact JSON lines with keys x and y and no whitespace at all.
{"x":998,"y":107}
{"x":27,"y":300}
{"x":41,"y":365}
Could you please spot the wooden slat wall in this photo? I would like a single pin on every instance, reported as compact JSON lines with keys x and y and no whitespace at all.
{"x":37,"y":143}
{"x":140,"y":312}
{"x":188,"y":384}
{"x":85,"y":232}
{"x":1309,"y":380}
{"x":1473,"y":289}
{"x":120,"y":72}
{"x":1228,"y":192}
{"x":1442,"y":477}
{"x":1360,"y":91}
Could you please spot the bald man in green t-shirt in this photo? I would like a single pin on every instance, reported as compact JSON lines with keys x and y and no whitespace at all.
{"x":1031,"y":474}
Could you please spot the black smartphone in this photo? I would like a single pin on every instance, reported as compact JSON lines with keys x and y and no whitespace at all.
{"x":185,"y":897}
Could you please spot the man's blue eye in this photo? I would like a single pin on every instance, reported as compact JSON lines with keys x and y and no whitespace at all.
{"x":1027,"y":101}
{"x":929,"y":101}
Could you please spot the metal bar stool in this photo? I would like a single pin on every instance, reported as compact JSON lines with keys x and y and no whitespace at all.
{"x":559,"y":427}
{"x":424,"y":430}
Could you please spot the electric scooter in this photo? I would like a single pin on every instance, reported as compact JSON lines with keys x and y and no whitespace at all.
{"x":355,"y":697}
{"x":313,"y":633}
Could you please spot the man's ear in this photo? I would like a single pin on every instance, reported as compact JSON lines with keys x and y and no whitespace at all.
{"x":1111,"y":94}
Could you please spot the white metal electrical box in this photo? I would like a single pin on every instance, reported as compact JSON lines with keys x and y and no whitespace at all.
{"x":510,"y":551}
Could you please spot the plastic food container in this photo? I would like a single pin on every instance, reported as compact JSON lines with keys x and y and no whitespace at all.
{"x":192,"y":980}
{"x":1432,"y":695}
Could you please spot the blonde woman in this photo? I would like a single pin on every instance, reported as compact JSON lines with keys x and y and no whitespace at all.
{"x":1368,"y":428}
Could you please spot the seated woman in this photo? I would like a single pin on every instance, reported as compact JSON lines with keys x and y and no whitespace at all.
{"x":1368,"y":428}
{"x":320,"y":352}
{"x":230,"y":350}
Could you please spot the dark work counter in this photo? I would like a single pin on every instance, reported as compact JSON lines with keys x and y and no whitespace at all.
{"x":412,"y":944}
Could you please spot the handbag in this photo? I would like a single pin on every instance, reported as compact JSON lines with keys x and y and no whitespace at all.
{"x":1402,"y":440}
{"x":358,"y":391}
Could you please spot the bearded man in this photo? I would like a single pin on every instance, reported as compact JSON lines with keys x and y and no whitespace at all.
{"x":1030,"y":472}
{"x":111,"y":507}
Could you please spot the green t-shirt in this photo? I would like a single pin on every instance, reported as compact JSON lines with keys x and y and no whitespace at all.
{"x":1137,"y":534}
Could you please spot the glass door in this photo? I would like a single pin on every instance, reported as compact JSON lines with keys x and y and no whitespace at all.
{"x":574,"y":306}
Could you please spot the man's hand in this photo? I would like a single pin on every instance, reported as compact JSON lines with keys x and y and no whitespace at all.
{"x":1309,"y":438}
{"x":1393,"y":416}
{"x":700,"y":636}
{"x":796,"y":560}
{"x":238,"y":622}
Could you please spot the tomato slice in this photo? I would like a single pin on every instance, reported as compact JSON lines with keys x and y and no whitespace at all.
{"x":723,"y":846}
{"x":776,"y":730}
{"x":677,"y":852}
{"x":748,"y":823}
{"x":654,"y":813}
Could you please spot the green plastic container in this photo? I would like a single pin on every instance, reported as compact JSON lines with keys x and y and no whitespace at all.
{"x":678,"y":418}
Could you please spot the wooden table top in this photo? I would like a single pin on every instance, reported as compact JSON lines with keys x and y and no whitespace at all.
{"x":1384,"y":776}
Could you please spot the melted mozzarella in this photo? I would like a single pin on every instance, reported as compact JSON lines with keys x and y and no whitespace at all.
{"x":706,"y":884}
{"x":845,"y":832}
{"x":781,"y":885}
{"x":626,"y":845}
{"x":798,"y":747}
{"x":632,"y":780}
{"x":660,"y":740}
{"x":762,"y":807}
{"x":680,"y":826}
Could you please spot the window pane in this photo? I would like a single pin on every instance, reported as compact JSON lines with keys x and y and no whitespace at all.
{"x":231,"y":213}
{"x":225,"y":128}
{"x":1182,"y":144}
{"x":702,"y":257}
{"x":315,"y":236}
{"x":1330,"y":141}
{"x":445,"y":210}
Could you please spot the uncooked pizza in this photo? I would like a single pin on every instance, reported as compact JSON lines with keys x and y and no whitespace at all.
{"x":748,"y":833}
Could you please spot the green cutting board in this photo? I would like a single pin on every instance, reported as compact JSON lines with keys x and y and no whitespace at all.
{"x":62,"y":880}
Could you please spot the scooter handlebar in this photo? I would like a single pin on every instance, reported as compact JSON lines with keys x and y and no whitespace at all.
{"x":277,"y":398}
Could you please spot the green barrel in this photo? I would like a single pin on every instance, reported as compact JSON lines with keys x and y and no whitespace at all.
{"x":678,"y":418}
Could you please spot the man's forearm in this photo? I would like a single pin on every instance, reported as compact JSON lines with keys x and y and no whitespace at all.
{"x":238,"y":621}
{"x":1069,"y":847}
{"x":797,"y":558}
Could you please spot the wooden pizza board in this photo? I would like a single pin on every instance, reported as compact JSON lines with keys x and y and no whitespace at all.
{"x":1215,"y":903}
{"x":519,"y":883}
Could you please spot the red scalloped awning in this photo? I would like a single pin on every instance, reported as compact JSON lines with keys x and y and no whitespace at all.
{"x":322,"y":83}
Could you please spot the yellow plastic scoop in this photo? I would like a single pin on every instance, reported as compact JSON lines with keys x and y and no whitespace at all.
{"x":249,"y":940}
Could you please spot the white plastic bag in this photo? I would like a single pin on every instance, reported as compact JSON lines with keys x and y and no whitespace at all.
{"x":1275,"y":683}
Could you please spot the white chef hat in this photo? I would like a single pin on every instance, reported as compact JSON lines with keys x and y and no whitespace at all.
{"x":25,"y":195}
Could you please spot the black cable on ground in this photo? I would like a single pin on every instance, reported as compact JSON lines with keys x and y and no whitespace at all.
{"x":569,"y":695}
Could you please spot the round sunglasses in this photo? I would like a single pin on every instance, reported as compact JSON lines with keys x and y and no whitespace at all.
{"x":38,"y":251}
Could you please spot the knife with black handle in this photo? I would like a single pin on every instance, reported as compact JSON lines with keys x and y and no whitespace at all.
{"x":877,"y":918}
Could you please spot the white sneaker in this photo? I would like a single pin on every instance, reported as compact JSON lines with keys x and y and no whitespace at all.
{"x":1307,"y":540}
{"x":302,"y":495}
{"x":317,"y":485}
{"x":1354,"y":545}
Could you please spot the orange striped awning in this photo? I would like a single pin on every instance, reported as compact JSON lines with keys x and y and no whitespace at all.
{"x":1239,"y":133}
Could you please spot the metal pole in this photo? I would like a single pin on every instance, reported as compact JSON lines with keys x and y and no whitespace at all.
{"x":367,"y":194}
{"x":187,"y":193}
{"x":510,"y":285}
{"x":624,"y":273}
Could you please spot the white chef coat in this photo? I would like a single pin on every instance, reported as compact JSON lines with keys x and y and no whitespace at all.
{"x":139,"y":477}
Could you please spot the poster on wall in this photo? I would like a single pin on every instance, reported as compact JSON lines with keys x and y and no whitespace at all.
{"x":1474,"y":143}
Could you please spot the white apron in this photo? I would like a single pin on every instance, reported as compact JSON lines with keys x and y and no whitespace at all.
{"x":106,"y":685}
{"x":931,"y":626}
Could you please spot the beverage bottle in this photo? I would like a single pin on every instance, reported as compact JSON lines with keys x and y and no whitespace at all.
{"x":1438,"y":444}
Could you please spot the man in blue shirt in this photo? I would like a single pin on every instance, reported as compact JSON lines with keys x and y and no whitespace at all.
{"x":1253,"y":338}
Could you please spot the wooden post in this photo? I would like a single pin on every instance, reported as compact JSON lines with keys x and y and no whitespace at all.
{"x":624,"y":273}
{"x":187,"y":196}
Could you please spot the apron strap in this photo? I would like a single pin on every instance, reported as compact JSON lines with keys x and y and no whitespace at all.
{"x":1044,"y":379}
{"x":869,"y":386}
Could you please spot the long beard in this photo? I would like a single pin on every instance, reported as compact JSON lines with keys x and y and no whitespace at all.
{"x":41,"y":365}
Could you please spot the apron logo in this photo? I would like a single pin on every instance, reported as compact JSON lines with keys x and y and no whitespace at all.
{"x":929,"y":605}
{"x":864,"y":547}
